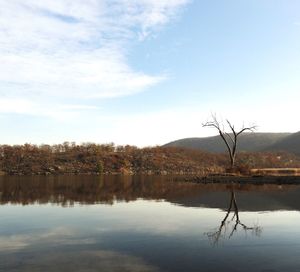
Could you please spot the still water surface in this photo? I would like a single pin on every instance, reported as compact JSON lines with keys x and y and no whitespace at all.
{"x":146,"y":224}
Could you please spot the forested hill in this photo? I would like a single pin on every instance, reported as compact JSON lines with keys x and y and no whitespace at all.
{"x":251,"y":142}
{"x":70,"y":158}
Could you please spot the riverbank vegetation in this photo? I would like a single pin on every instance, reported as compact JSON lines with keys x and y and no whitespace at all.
{"x":89,"y":158}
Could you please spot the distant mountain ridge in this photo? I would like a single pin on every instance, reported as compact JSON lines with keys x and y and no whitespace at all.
{"x":251,"y":142}
{"x":290,"y":144}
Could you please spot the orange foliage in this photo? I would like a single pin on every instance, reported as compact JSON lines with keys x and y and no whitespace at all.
{"x":106,"y":158}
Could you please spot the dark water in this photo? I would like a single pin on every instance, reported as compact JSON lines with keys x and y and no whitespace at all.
{"x":146,"y":224}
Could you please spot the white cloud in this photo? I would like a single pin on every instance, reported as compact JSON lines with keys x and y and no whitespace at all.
{"x":59,"y":112}
{"x":58,"y":49}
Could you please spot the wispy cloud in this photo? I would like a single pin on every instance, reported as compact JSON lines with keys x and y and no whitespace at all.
{"x":59,"y":112}
{"x":75,"y":49}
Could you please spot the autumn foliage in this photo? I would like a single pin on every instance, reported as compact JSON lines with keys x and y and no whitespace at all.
{"x":89,"y":158}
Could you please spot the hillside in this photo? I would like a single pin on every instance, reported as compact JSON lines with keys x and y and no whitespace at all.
{"x":251,"y":142}
{"x":289,"y":144}
{"x":70,"y":158}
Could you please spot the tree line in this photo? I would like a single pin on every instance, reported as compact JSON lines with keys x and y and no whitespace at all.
{"x":90,"y":158}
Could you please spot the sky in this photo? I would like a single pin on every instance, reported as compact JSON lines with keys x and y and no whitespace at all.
{"x":146,"y":72}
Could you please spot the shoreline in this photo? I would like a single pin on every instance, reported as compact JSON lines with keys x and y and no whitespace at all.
{"x":188,"y":177}
{"x":257,"y":180}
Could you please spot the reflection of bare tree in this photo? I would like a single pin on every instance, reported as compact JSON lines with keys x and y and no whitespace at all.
{"x":229,"y":226}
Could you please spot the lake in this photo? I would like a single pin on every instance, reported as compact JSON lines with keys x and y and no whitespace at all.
{"x":114,"y":223}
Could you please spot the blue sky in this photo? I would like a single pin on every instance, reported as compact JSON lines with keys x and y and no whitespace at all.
{"x":145,"y":72}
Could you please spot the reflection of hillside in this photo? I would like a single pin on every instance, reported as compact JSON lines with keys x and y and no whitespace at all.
{"x":67,"y":190}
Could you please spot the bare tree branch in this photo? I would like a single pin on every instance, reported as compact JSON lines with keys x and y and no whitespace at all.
{"x":230,"y":137}
{"x":251,"y":129}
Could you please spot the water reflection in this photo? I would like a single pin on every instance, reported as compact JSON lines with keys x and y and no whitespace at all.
{"x":146,"y":224}
{"x":68,"y":190}
{"x":229,"y":226}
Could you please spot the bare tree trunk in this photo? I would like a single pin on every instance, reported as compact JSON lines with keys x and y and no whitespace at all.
{"x":232,"y":161}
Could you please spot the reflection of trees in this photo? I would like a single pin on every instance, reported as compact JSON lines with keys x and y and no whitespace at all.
{"x":68,"y":190}
{"x":228,"y":226}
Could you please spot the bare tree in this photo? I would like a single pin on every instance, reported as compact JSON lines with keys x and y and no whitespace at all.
{"x":230,"y":139}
